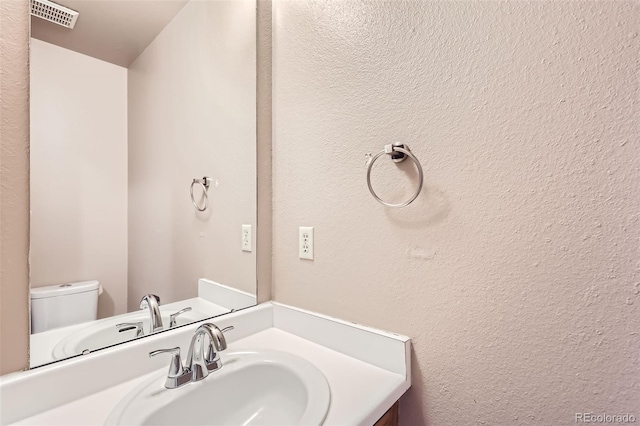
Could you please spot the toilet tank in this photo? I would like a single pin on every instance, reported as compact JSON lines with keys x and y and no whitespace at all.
{"x":63,"y":304}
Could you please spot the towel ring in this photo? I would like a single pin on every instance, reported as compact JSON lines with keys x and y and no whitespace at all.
{"x":398,"y":152}
{"x":205,"y":182}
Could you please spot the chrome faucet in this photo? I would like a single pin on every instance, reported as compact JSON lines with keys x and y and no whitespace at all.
{"x":202,"y":358}
{"x":151,"y":302}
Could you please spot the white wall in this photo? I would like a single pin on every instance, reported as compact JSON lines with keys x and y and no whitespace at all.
{"x":516,"y":271}
{"x":79,"y":172}
{"x":192,"y":112}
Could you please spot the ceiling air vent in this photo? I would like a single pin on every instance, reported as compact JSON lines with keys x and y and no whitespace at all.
{"x":53,"y":12}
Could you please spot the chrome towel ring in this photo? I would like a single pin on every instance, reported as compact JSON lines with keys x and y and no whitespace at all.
{"x":205,"y":182}
{"x":398,"y":152}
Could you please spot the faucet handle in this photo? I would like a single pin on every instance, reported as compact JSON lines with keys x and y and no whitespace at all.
{"x":126,"y":326}
{"x":172,"y":317}
{"x":176,"y":370}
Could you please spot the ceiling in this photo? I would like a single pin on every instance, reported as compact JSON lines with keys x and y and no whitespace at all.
{"x":115,"y":31}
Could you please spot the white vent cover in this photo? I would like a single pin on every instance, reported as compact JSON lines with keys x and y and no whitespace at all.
{"x":53,"y":12}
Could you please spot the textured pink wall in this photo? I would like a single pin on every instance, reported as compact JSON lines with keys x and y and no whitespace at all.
{"x":14,"y":182}
{"x":263,"y":149}
{"x":516,"y":272}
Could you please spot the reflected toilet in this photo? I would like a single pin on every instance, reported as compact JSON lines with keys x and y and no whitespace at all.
{"x":63,"y":305}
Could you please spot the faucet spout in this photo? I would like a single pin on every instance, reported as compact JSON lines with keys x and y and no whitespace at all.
{"x":152,"y":302}
{"x":196,"y":362}
{"x":203,"y":355}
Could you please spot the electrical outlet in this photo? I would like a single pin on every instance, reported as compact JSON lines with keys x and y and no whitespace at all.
{"x":305,"y":250}
{"x":246,"y":237}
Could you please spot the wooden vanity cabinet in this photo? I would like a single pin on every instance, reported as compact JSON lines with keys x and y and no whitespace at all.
{"x":390,"y":418}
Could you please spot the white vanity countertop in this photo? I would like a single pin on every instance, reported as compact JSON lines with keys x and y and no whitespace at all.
{"x":367,"y":370}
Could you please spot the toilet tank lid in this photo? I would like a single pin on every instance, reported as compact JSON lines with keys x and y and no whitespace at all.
{"x":64,"y":289}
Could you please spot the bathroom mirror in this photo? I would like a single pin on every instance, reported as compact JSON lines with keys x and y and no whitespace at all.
{"x":143,"y":168}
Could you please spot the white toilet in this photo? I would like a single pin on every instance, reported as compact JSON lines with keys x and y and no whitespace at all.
{"x":64,"y":304}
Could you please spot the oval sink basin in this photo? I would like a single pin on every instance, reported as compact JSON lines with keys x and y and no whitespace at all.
{"x":251,"y":388}
{"x":104,"y":333}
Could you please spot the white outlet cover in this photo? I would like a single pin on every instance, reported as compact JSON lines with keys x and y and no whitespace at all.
{"x":305,"y":243}
{"x":246,"y":238}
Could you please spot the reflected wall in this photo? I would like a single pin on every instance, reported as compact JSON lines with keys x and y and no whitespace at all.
{"x":192,"y":109}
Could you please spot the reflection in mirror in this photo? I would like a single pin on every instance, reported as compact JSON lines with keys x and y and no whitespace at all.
{"x":143,"y":169}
